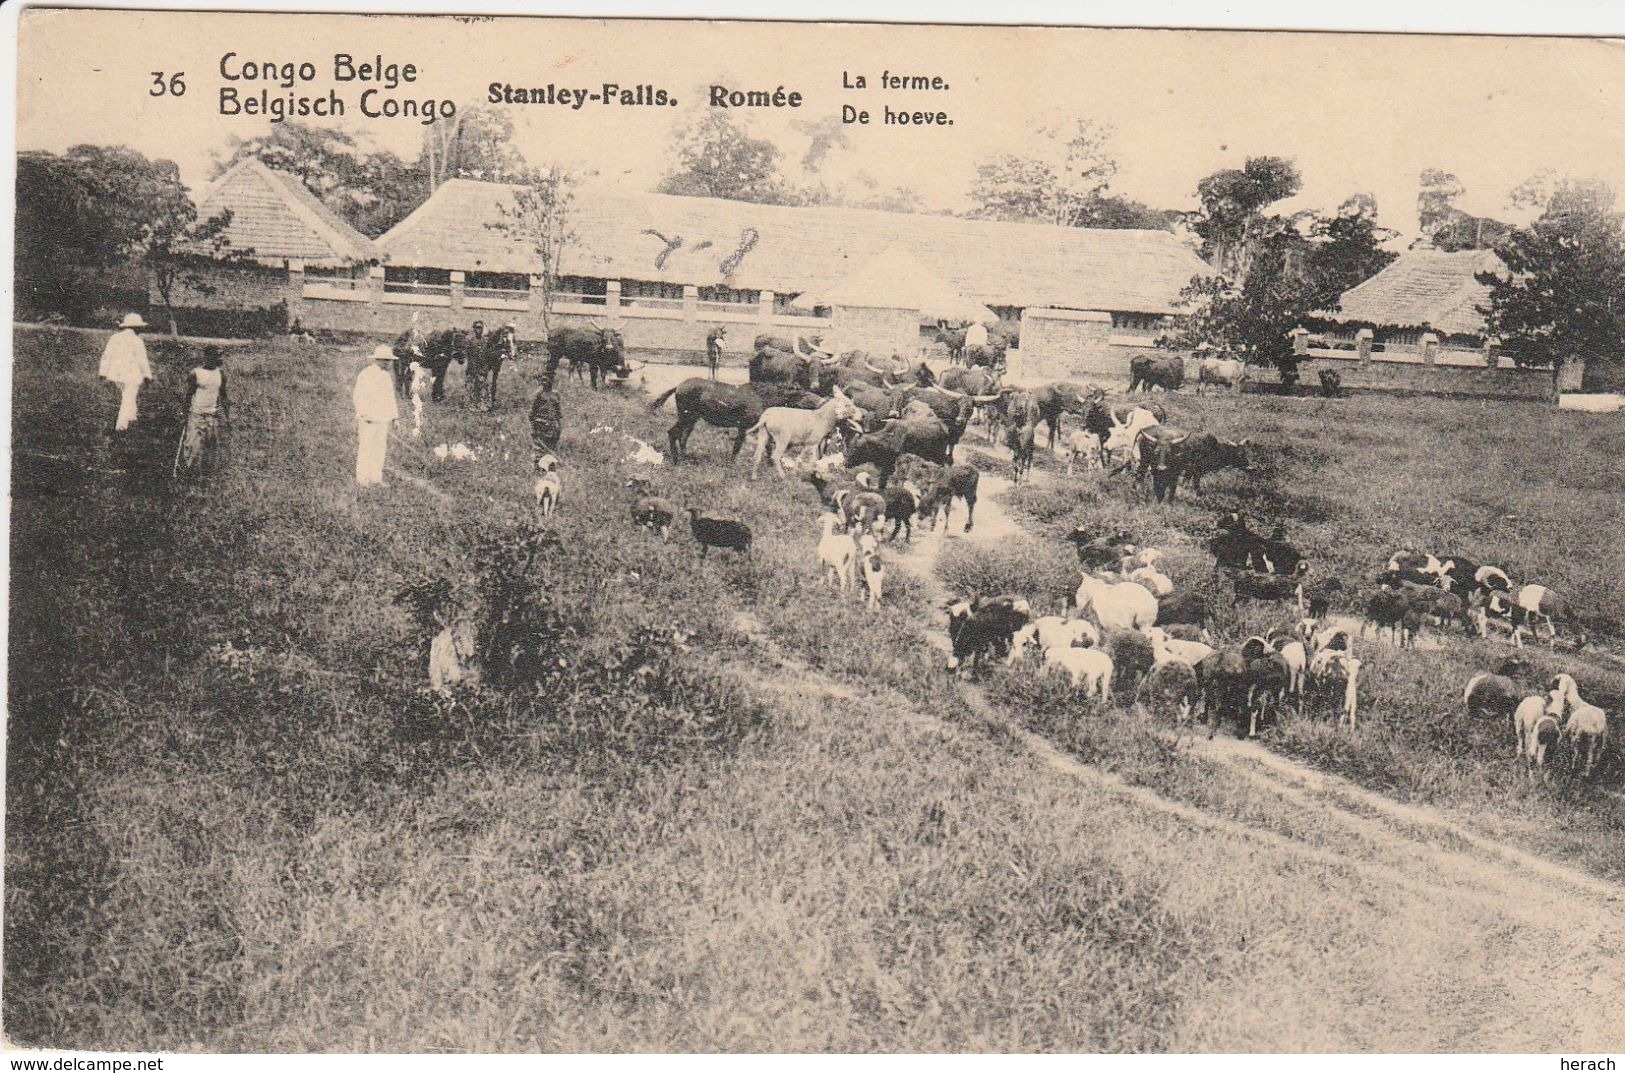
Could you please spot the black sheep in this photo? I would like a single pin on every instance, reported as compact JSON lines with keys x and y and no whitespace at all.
{"x":714,"y":532}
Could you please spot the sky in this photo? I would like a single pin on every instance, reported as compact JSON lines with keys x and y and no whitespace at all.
{"x":1357,"y":112}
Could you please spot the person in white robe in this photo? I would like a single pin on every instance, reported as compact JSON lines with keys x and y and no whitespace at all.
{"x":375,"y":410}
{"x":124,"y":362}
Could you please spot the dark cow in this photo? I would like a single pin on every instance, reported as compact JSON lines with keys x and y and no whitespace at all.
{"x":1168,"y":454}
{"x":771,"y":366}
{"x":1147,"y":371}
{"x":970,"y":381}
{"x":723,"y":405}
{"x":601,"y":349}
{"x":438,"y":351}
{"x":953,"y":409}
{"x":926,"y":437}
{"x":1064,"y":397}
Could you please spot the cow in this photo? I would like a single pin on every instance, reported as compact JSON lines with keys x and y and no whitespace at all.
{"x":723,"y":405}
{"x":970,"y":381}
{"x":1147,"y":371}
{"x":953,"y":409}
{"x":924,"y":436}
{"x":601,"y":349}
{"x":1168,"y":454}
{"x":1064,"y":397}
{"x":1221,"y":372}
{"x":772,"y":366}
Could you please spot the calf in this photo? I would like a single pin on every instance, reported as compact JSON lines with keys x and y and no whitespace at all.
{"x":902,"y":502}
{"x":955,"y":481}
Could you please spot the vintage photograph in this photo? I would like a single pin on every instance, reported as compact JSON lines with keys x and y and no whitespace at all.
{"x":541,"y":534}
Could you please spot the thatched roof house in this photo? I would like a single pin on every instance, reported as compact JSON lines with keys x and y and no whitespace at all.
{"x":273,"y":215}
{"x":711,"y":243}
{"x":1428,"y":289}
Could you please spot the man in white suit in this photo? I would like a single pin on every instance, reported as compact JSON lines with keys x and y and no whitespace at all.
{"x":124,"y":362}
{"x":375,"y":409}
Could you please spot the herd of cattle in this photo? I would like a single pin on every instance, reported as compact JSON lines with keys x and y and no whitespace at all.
{"x":877,"y":442}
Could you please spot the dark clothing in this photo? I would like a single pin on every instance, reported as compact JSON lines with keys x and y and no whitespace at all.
{"x":546,"y":421}
{"x":408,"y":348}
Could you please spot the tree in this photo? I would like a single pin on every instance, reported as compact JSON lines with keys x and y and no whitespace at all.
{"x":1251,"y":320}
{"x":716,"y":157}
{"x":1564,"y":294}
{"x":1444,"y":226}
{"x":1283,"y":279}
{"x":539,"y":219}
{"x":107,"y":205}
{"x":1348,"y":251}
{"x":1231,"y":222}
{"x":476,"y":144}
{"x":1062,"y":178}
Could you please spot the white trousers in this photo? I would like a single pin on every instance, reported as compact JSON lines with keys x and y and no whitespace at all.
{"x":372,"y":441}
{"x":128,"y":393}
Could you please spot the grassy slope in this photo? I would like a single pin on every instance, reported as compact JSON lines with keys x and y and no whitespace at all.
{"x":288,"y":850}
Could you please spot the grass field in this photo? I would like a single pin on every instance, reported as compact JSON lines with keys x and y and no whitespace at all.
{"x":736,"y":812}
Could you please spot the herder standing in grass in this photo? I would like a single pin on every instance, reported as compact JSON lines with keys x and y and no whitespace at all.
{"x":546,"y":419}
{"x":375,"y":408}
{"x":713,"y":348}
{"x":205,"y":401}
{"x":124,"y":362}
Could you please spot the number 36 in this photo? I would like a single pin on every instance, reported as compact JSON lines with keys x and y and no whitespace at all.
{"x":174,"y":86}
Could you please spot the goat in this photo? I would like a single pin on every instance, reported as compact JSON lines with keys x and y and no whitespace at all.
{"x":976,"y":628}
{"x":1331,"y":668}
{"x":1169,"y":649}
{"x":1296,"y":657}
{"x":1091,"y":669}
{"x":1535,"y":722}
{"x":546,"y":488}
{"x":715,"y":532}
{"x":1131,"y":652}
{"x":1171,"y":684}
{"x":1053,"y":631}
{"x":1586,"y":729}
{"x":874,"y":571}
{"x":451,"y":658}
{"x":862,"y":511}
{"x":835,"y":553}
{"x":651,"y":511}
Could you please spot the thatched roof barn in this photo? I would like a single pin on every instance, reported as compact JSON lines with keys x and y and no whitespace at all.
{"x":712,"y":243}
{"x":1424,"y":289}
{"x":273,"y":215}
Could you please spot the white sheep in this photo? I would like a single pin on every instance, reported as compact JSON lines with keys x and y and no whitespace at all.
{"x":1586,"y":730}
{"x":1090,"y":668}
{"x":547,"y":485}
{"x":451,"y":658}
{"x":1054,"y":631}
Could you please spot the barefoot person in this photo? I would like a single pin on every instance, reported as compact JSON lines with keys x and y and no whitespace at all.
{"x":375,"y":408}
{"x":205,"y":401}
{"x":124,"y":362}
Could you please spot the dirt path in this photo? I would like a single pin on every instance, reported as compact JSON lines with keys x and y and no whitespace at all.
{"x":1547,"y":940}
